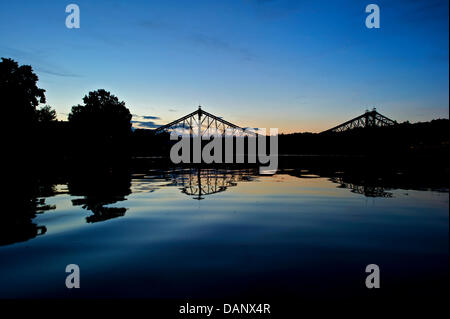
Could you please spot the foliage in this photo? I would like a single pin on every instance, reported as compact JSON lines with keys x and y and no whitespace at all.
{"x":19,"y":91}
{"x":46,"y":114}
{"x":102,"y":121}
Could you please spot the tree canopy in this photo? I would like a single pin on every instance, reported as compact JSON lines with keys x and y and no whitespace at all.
{"x":19,"y":91}
{"x":102,"y":119}
{"x":46,"y":114}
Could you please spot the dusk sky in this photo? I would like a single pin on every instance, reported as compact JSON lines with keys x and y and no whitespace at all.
{"x":295,"y":65}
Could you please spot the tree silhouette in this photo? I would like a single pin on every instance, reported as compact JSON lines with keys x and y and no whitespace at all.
{"x":46,"y":114}
{"x":100,"y":186}
{"x":102,"y":124}
{"x":19,"y":92}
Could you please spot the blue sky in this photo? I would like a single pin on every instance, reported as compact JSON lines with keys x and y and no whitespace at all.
{"x":295,"y":65}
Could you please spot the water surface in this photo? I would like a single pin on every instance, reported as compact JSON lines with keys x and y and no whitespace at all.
{"x":185,"y":233}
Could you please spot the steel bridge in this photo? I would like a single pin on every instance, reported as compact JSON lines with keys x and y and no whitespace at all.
{"x":202,"y":123}
{"x":366,"y":120}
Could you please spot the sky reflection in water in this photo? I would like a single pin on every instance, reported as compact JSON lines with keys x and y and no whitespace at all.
{"x":218,"y":233}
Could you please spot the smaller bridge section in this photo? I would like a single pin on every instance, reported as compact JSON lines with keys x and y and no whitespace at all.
{"x":367,"y":120}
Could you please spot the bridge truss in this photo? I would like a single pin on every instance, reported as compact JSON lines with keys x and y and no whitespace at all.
{"x":202,"y":123}
{"x":366,"y":120}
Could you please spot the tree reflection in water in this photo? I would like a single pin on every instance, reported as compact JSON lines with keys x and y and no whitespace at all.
{"x":28,"y":194}
{"x":100,"y":187}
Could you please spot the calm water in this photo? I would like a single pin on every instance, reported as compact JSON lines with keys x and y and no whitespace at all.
{"x":221,"y":233}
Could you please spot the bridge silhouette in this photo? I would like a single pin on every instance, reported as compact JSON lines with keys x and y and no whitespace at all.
{"x":202,"y":123}
{"x":369,"y":119}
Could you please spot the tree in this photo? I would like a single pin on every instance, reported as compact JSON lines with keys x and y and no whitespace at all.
{"x":103,"y":122}
{"x":46,"y":114}
{"x":19,"y":92}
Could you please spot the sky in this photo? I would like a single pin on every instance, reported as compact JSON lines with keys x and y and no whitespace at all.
{"x":293,"y":65}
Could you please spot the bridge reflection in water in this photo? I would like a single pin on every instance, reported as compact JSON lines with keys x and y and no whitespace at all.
{"x":104,"y":193}
{"x":363,"y":189}
{"x":195,"y":182}
{"x":198,"y":182}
